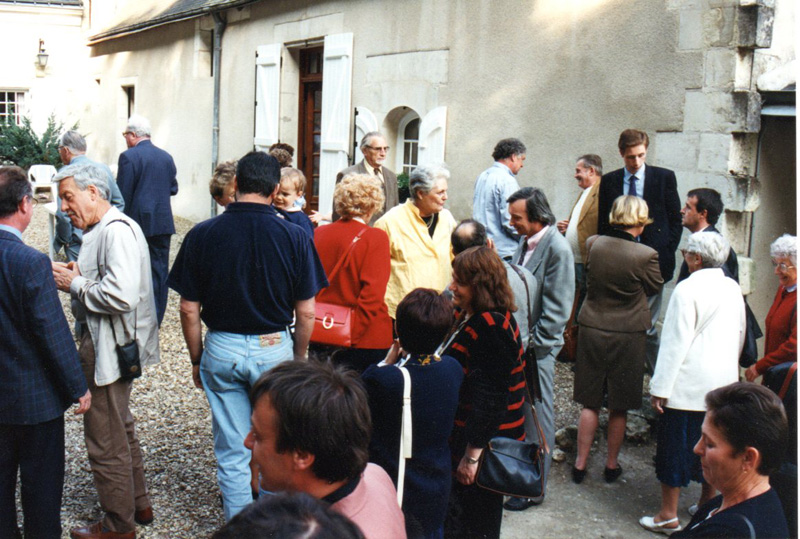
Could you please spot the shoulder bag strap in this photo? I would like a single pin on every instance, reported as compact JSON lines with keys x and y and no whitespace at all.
{"x":787,"y":381}
{"x":531,"y":354}
{"x":339,"y":264}
{"x":405,"y":435}
{"x":111,"y":316}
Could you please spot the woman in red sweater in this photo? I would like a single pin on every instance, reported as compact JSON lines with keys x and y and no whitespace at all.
{"x":780,"y":342}
{"x":360,"y":282}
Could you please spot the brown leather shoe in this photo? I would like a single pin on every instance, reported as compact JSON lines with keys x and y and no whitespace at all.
{"x":144,"y":516}
{"x":96,"y":531}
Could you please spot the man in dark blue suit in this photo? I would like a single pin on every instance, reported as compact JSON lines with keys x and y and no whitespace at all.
{"x":41,"y":373}
{"x":659,"y":188}
{"x":147,"y":178}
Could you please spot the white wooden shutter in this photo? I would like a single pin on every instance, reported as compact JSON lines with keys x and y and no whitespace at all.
{"x":365,"y":123}
{"x":268,"y":90}
{"x":432,"y":131}
{"x":337,"y":82}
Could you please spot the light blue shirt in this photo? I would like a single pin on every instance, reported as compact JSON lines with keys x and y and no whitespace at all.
{"x":489,"y":207}
{"x":638,"y":178}
{"x":12,"y":230}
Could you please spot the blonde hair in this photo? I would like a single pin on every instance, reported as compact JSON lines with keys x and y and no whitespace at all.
{"x":628,"y":212}
{"x":296,"y":176}
{"x":223,"y":175}
{"x":357,"y":195}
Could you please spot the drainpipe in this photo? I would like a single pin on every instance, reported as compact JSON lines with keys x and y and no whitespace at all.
{"x":219,"y":29}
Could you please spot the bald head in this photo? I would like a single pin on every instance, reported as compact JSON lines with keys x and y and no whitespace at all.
{"x":468,"y":233}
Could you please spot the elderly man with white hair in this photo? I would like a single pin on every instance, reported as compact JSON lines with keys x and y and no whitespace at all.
{"x":147,"y":178}
{"x":72,"y":151}
{"x":701,"y":341}
{"x":112,"y":293}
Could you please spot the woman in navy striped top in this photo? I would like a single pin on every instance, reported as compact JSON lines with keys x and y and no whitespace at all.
{"x":486,"y":343}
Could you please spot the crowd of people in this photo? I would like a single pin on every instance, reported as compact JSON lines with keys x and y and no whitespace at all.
{"x":358,"y":364}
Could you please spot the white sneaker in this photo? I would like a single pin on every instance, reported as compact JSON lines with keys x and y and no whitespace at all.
{"x":650,"y":524}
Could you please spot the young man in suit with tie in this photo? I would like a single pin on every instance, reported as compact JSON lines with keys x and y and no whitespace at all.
{"x":659,"y":188}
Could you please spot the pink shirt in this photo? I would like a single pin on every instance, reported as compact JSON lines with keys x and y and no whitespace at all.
{"x":533,"y":242}
{"x":373,"y":506}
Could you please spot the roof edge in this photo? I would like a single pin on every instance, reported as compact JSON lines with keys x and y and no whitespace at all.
{"x":126,"y":30}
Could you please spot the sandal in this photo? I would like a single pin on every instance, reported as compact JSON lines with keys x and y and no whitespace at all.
{"x":650,"y":524}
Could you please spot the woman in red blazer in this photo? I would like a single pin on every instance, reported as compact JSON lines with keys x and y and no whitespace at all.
{"x":780,"y":343}
{"x":361,"y":281}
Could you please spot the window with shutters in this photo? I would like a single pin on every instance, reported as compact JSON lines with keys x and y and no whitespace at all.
{"x":310,"y":122}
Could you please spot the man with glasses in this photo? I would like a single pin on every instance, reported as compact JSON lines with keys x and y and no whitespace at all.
{"x":72,"y":151}
{"x":41,"y":372}
{"x":147,"y":178}
{"x":374,"y":148}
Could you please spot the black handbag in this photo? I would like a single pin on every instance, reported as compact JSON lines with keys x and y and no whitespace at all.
{"x":509,"y":466}
{"x":513,"y":468}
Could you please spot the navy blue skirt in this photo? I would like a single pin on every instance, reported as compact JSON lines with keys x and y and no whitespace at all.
{"x":678,"y":432}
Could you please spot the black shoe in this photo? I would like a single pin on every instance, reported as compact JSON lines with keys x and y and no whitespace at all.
{"x":612,"y":475}
{"x":520,"y":504}
{"x":578,"y":475}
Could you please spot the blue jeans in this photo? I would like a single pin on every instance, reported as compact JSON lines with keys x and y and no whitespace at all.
{"x":230,"y":365}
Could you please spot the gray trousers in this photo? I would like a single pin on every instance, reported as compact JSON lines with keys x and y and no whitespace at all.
{"x":653,"y":338}
{"x":544,"y":409}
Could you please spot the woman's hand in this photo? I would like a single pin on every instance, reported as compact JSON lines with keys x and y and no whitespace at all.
{"x":467,"y":469}
{"x":751,"y":373}
{"x":658,"y":403}
{"x":394,"y":354}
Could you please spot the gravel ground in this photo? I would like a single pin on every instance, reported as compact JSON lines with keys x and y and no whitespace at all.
{"x":174,"y":427}
{"x":173,"y":423}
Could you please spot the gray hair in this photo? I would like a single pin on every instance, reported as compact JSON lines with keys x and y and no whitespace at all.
{"x":74,"y":142}
{"x":139,"y":126}
{"x":592,"y":161}
{"x":366,"y":138}
{"x":784,"y":247}
{"x":86,"y":174}
{"x":712,"y":248}
{"x":422,"y":179}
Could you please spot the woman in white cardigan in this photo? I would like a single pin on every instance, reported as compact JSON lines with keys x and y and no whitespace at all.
{"x":701,"y":341}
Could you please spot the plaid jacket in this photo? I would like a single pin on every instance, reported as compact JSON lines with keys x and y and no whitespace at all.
{"x":40,"y":373}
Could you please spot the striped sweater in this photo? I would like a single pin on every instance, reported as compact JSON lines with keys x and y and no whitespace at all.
{"x":493,"y":392}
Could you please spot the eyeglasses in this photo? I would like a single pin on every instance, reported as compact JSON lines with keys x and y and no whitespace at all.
{"x":33,"y":200}
{"x":782,"y":266}
{"x":126,"y":133}
{"x":379,"y":148}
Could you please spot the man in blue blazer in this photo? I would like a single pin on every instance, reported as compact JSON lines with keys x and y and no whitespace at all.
{"x":659,"y":188}
{"x":544,"y":252}
{"x":41,"y":374}
{"x":147,"y":179}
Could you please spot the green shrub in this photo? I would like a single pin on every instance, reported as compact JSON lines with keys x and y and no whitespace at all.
{"x":21,"y":146}
{"x":402,"y":186}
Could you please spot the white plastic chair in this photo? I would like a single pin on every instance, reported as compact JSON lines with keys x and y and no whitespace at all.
{"x":41,"y":177}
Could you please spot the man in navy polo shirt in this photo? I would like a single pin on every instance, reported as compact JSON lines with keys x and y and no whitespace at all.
{"x":246,"y":274}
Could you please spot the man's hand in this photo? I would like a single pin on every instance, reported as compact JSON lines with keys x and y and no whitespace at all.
{"x":198,"y":382}
{"x":64,"y":274}
{"x":84,"y":403}
{"x":751,"y":373}
{"x":658,"y":404}
{"x":562,"y":226}
{"x":317,"y":217}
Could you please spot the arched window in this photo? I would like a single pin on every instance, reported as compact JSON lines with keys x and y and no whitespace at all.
{"x":408,"y":142}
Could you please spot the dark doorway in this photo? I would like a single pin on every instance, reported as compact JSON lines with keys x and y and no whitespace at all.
{"x":310,"y":122}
